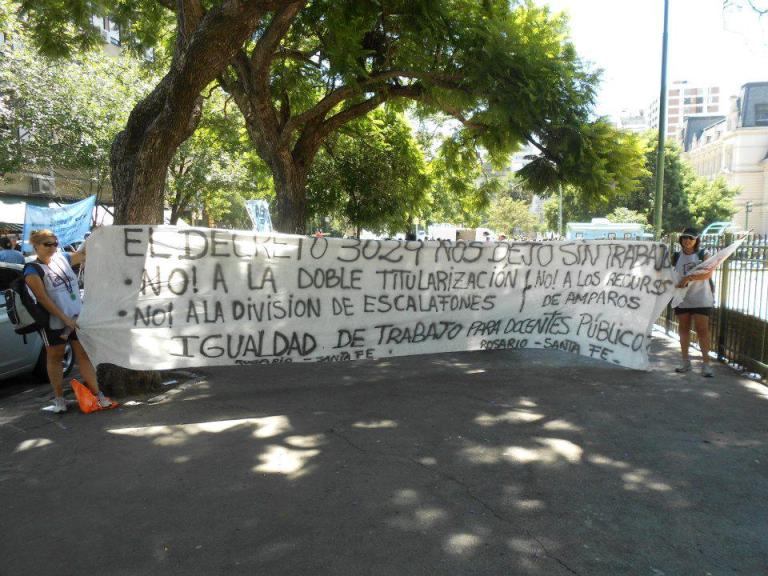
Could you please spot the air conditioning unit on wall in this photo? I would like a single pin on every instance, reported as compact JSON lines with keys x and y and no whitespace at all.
{"x":43,"y":185}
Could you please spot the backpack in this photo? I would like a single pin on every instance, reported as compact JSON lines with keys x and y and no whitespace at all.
{"x":25,"y":313}
{"x":701,"y":253}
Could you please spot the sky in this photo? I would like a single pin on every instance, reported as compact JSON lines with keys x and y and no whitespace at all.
{"x":706,"y":46}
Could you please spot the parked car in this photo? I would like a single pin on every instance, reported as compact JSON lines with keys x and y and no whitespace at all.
{"x":720,"y":228}
{"x":16,"y":356}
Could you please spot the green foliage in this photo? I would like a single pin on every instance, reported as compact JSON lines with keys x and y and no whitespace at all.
{"x":504,"y":72}
{"x":215,"y":171}
{"x":688,"y":199}
{"x":63,"y":113}
{"x":460,"y":190}
{"x":598,"y":160}
{"x":624,"y":215}
{"x":711,"y":201}
{"x":511,"y":217}
{"x":63,"y":28}
{"x":678,"y":178}
{"x":372,"y":175}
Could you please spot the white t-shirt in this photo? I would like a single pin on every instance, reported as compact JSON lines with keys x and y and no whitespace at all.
{"x":699,"y":293}
{"x":60,"y":283}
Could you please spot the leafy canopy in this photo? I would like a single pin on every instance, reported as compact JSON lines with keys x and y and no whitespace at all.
{"x":63,"y":113}
{"x":372,"y":174}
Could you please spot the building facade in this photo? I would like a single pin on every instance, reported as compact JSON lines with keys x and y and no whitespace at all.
{"x":735,"y":147}
{"x":684,"y":99}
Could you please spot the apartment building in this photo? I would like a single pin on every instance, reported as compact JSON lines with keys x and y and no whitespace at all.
{"x":684,"y":99}
{"x":735,"y":146}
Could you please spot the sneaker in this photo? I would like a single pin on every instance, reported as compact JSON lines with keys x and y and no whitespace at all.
{"x":684,"y":367}
{"x":706,"y":371}
{"x":59,"y":405}
{"x":104,"y":402}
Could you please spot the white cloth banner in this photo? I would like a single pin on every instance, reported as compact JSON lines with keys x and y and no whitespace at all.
{"x":162,"y":297}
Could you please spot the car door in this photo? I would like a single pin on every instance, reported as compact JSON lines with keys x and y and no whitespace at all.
{"x":16,"y":356}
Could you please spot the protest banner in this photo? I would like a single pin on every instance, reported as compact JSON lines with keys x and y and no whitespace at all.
{"x":258,"y":210}
{"x":69,"y":222}
{"x":162,"y":297}
{"x":718,"y":258}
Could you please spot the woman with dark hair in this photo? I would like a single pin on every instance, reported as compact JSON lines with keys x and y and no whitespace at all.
{"x":699,"y":301}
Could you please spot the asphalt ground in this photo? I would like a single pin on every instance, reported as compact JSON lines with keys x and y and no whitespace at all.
{"x":479,"y":463}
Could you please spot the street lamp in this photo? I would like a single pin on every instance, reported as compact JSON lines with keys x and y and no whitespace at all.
{"x":659,"y":198}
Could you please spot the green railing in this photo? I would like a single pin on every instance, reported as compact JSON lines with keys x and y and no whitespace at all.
{"x":739,"y":325}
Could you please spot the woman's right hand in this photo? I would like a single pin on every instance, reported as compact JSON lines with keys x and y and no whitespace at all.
{"x":70,"y":323}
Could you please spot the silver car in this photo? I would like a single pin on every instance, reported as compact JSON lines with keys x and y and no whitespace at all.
{"x":16,"y":356}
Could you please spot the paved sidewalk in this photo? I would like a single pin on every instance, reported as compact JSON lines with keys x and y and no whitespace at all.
{"x":484,"y":463}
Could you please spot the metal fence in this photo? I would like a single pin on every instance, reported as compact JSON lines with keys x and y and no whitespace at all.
{"x":739,"y":324}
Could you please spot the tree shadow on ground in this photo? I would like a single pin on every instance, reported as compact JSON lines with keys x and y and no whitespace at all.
{"x":527,"y":462}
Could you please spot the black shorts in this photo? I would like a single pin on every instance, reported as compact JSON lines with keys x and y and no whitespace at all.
{"x":700,"y":311}
{"x":52,"y":337}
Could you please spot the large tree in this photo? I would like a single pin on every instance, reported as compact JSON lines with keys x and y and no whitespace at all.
{"x":503,"y":70}
{"x":372,"y":174}
{"x":207,"y":35}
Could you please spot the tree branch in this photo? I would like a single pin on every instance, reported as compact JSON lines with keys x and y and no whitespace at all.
{"x":265,"y":48}
{"x":331,"y":100}
{"x":300,"y":56}
{"x":189,"y":13}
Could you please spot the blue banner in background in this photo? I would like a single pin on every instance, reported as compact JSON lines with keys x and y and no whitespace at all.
{"x":258,"y":210}
{"x":69,"y":222}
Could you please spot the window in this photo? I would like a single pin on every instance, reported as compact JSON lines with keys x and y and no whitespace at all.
{"x":611,"y":235}
{"x":761,"y":114}
{"x":627,"y":236}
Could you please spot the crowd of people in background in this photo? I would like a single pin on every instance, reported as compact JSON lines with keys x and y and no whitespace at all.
{"x":10,"y":250}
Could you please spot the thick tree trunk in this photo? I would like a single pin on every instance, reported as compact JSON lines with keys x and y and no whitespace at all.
{"x":291,"y":193}
{"x":159,"y":124}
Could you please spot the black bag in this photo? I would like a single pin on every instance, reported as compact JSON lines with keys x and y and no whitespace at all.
{"x":25,"y":313}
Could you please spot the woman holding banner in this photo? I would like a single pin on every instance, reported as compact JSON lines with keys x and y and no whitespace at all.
{"x":54,"y":284}
{"x":699,"y":300}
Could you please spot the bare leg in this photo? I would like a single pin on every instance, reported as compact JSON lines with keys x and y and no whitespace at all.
{"x":684,"y":330}
{"x":86,"y":368}
{"x":53,"y":357}
{"x":702,"y":331}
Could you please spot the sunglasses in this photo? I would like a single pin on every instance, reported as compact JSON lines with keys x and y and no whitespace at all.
{"x":50,"y":244}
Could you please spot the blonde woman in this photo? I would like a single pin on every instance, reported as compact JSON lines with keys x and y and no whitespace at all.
{"x":52,"y":281}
